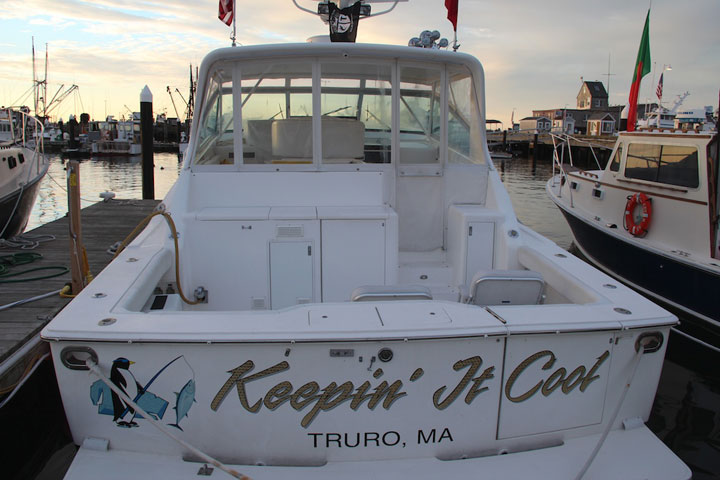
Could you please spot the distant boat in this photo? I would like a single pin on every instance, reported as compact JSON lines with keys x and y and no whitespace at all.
{"x":662,"y":117}
{"x":22,"y":167}
{"x":650,"y":218}
{"x":501,"y":156}
{"x":698,"y":119}
{"x":118,"y":138}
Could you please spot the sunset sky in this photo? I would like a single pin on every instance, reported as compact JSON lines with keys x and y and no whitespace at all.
{"x":534,"y":53}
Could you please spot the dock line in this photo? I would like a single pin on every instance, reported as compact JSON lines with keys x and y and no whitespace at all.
{"x":31,"y":299}
{"x":26,"y":375}
{"x":94,"y":369}
{"x":696,"y":340}
{"x":640,"y":349}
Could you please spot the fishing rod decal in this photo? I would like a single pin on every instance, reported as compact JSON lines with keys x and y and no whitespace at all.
{"x":109,"y":403}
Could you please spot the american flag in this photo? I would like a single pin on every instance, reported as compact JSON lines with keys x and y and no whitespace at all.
{"x":658,"y":92}
{"x":225,"y":11}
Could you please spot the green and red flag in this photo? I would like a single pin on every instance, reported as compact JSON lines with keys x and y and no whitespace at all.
{"x":642,"y":68}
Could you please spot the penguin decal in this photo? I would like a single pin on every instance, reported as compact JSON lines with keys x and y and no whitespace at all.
{"x":121,"y":376}
{"x":125,"y":416}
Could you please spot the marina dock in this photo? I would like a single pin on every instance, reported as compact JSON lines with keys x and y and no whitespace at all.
{"x":541,"y":145}
{"x":103,"y":224}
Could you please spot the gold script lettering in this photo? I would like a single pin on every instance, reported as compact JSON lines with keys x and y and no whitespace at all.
{"x":559,"y":378}
{"x":520,"y":368}
{"x":474,"y":363}
{"x":591,"y":377}
{"x":309,"y":394}
{"x":236,"y":378}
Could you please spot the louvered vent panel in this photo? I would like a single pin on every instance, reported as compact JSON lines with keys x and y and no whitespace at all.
{"x":258,"y":303}
{"x":285,"y":231}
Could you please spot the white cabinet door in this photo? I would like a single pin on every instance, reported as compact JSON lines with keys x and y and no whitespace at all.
{"x":353,"y":254}
{"x":479,"y":248}
{"x":291,"y":273}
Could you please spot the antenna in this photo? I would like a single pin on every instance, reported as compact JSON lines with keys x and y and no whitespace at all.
{"x":608,"y":75}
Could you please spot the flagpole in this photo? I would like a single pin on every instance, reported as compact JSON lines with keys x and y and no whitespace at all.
{"x":234,"y":14}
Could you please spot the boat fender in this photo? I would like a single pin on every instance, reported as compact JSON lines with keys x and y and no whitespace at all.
{"x":640,"y":228}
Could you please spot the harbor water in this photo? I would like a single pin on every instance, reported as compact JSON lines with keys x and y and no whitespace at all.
{"x":685,"y":415}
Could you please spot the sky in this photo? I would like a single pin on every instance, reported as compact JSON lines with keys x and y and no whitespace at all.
{"x":534,"y":52}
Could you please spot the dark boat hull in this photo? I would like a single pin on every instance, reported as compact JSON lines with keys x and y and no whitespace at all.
{"x":21,"y":213}
{"x":683,"y":288}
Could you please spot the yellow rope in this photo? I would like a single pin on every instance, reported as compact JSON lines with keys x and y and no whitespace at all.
{"x":173,"y":232}
{"x":65,"y":292}
{"x":28,"y":368}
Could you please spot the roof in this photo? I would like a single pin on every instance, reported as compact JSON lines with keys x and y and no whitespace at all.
{"x":534,"y":118}
{"x":597,"y":89}
{"x":601,"y":116}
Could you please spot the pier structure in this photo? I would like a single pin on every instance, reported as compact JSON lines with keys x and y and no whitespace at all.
{"x":104,"y":224}
{"x":540,"y":145}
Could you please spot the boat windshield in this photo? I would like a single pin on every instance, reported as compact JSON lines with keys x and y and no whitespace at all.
{"x":351,"y":105}
{"x":669,"y":164}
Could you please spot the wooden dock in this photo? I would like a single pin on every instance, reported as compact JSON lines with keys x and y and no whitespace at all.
{"x":103,"y":224}
{"x":587,"y":151}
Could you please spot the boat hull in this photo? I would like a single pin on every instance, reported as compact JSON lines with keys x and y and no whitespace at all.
{"x":17,"y":206}
{"x":674,"y":283}
{"x":115,"y":149}
{"x":635,"y":453}
{"x":308,"y":404}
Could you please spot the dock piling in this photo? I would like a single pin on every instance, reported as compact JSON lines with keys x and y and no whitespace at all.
{"x":77,"y":257}
{"x":146,"y":140}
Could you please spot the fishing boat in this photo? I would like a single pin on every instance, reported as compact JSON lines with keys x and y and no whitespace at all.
{"x":117,"y":138}
{"x":336,"y":287}
{"x":650,"y":219}
{"x":22,"y":167}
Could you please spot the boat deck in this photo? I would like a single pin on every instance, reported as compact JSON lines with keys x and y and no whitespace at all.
{"x":104,"y":223}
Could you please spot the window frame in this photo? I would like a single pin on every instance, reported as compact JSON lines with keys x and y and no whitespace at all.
{"x":659,"y":160}
{"x":235,"y":67}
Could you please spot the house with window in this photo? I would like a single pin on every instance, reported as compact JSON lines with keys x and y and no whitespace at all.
{"x":592,"y":96}
{"x":601,"y":123}
{"x":535,"y":124}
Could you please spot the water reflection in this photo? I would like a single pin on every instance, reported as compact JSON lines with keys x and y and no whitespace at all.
{"x":686,"y":412}
{"x":525,"y":182}
{"x":121,"y":175}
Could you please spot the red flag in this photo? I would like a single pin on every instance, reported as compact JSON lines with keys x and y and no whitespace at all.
{"x":642,"y":68}
{"x":225,"y":11}
{"x":452,"y":8}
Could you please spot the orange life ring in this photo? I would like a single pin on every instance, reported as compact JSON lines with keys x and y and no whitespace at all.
{"x":640,"y":228}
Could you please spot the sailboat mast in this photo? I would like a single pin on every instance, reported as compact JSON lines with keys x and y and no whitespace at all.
{"x":35,"y":85}
{"x":44,"y":97}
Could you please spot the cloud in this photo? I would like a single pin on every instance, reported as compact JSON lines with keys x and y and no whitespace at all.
{"x":534,"y":53}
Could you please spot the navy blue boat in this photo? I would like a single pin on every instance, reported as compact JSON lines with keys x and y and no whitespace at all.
{"x":650,"y":219}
